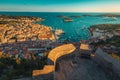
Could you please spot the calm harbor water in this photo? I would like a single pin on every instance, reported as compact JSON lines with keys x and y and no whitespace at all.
{"x":74,"y":31}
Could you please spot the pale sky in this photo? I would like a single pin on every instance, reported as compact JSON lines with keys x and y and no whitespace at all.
{"x":60,"y":5}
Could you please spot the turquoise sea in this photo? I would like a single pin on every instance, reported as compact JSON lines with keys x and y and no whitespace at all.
{"x":74,"y":31}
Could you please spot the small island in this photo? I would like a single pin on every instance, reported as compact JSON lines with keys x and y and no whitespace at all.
{"x":76,"y":16}
{"x":65,"y":18}
{"x":61,"y":16}
{"x":109,"y":15}
{"x":68,"y":19}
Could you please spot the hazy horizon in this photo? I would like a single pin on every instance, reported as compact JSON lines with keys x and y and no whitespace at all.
{"x":56,"y":12}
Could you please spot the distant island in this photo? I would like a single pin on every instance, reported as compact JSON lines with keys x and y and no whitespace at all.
{"x":76,"y":16}
{"x":109,"y":15}
{"x":65,"y":18}
{"x":71,"y":18}
{"x":68,"y":18}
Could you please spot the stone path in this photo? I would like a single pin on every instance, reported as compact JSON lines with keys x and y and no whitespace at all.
{"x":86,"y":69}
